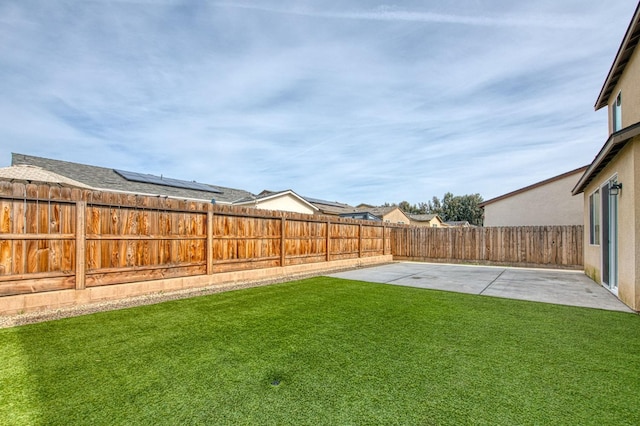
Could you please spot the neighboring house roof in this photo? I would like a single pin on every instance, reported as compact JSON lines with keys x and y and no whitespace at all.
{"x":37,"y":174}
{"x":614,"y":144}
{"x":619,"y":139}
{"x":103,"y":178}
{"x":432,"y":220}
{"x":627,"y":47}
{"x":330,"y":207}
{"x":535,"y":185}
{"x":339,"y":209}
{"x":459,"y":224}
{"x":263,"y":195}
{"x":383,"y":211}
{"x":270,"y":195}
{"x":378,"y":211}
{"x":361,"y":215}
{"x":423,"y":217}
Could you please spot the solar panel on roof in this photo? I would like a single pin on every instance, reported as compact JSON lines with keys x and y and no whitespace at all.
{"x":326,"y":203}
{"x":160,"y":180}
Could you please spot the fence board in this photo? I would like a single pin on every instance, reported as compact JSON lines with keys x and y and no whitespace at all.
{"x":550,"y":246}
{"x":54,"y":238}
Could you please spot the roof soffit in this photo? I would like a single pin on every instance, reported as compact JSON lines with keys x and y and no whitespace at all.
{"x":625,"y":51}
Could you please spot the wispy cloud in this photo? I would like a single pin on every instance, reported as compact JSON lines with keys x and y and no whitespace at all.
{"x":393,"y":13}
{"x":342,"y":102}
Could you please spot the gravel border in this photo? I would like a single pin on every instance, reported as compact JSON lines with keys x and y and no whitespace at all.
{"x":7,"y":321}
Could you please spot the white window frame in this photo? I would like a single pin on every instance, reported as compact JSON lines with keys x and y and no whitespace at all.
{"x":595,"y":225}
{"x":617,"y":113}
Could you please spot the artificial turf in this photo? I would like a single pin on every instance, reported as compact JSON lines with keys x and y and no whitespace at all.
{"x":326,"y":351}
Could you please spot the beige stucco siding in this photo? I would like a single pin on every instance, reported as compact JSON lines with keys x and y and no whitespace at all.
{"x":632,"y":223}
{"x":630,"y":89}
{"x":285,"y":203}
{"x":396,"y":216}
{"x":549,"y":204}
{"x":433,"y":223}
{"x":622,"y":166}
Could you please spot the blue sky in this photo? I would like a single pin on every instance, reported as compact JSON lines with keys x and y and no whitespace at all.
{"x":355,"y":101}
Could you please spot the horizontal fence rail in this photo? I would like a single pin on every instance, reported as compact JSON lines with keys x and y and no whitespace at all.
{"x":59,"y":238}
{"x":547,"y":246}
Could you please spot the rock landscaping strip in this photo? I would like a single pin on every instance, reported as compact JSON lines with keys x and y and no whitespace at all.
{"x":7,"y":321}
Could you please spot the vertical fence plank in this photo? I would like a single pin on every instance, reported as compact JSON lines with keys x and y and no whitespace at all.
{"x":7,"y":248}
{"x":282,"y":241}
{"x":209,"y":246}
{"x":529,"y":245}
{"x":81,"y":233}
{"x":123,"y":234}
{"x":384,"y":239}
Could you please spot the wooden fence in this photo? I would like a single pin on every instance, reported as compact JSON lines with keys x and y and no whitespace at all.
{"x":57,"y":238}
{"x":546,"y":246}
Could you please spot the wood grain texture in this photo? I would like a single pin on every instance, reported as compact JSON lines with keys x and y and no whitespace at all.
{"x":552,"y":246}
{"x":54,"y":237}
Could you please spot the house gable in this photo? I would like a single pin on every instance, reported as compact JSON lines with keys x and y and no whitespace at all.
{"x":548,"y":202}
{"x":624,"y":79}
{"x":427,"y":220}
{"x":625,"y":52}
{"x":391,"y":214}
{"x":279,"y":200}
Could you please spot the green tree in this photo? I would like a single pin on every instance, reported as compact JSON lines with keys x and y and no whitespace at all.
{"x":405,"y":207}
{"x":450,"y":208}
{"x":462,"y":208}
{"x":412,"y":208}
{"x":455,"y":208}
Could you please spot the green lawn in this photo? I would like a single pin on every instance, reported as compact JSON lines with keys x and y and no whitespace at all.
{"x":326,"y":351}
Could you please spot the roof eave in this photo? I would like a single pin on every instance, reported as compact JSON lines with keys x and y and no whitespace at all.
{"x":625,"y":50}
{"x":278,"y":195}
{"x":532,"y":186}
{"x":613,"y":145}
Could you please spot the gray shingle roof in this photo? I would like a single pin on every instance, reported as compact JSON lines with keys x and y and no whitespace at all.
{"x":108,"y":179}
{"x":422,"y":217}
{"x":459,"y":223}
{"x":378,"y":211}
{"x":36,"y":174}
{"x":331,"y":207}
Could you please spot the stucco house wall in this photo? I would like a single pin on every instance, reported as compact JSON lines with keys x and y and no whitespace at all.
{"x":546,"y":203}
{"x":286,"y":203}
{"x":630,"y":89}
{"x":389,"y":214}
{"x":396,"y":216}
{"x":624,"y":168}
{"x":618,"y":161}
{"x":423,"y":220}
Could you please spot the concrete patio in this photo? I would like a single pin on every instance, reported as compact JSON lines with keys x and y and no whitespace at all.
{"x":561,"y":287}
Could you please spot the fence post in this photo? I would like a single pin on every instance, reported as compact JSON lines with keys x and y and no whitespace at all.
{"x":282,"y":240}
{"x":406,"y":242}
{"x":209,"y":240}
{"x":81,"y":244}
{"x":360,"y":240}
{"x":384,"y":240}
{"x":328,"y":240}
